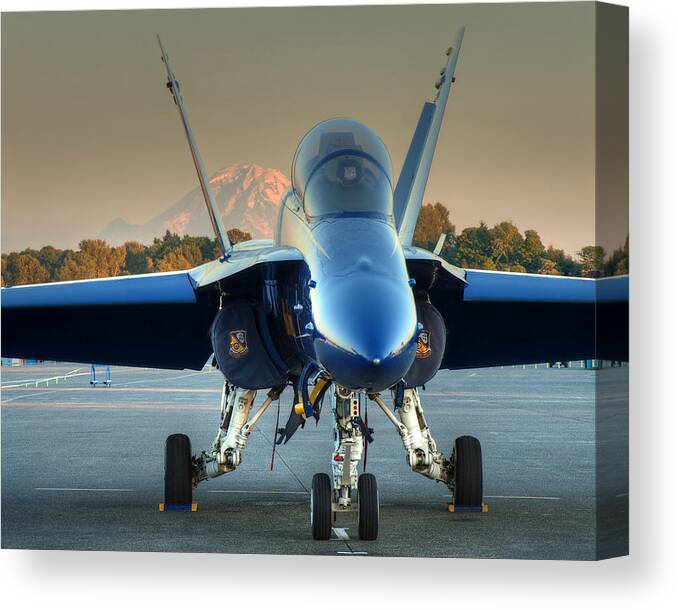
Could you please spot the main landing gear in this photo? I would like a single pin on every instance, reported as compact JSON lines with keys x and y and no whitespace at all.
{"x":462,"y":472}
{"x":345,"y":488}
{"x":344,"y":491}
{"x":467,"y":472}
{"x":178,"y":471}
{"x":183,"y":472}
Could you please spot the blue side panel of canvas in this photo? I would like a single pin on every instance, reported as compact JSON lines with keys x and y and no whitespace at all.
{"x":133,"y":290}
{"x":613,"y":289}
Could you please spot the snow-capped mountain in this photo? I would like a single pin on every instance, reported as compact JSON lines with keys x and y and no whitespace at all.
{"x":247,"y":196}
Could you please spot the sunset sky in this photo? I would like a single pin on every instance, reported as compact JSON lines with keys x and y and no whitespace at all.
{"x":89,"y":132}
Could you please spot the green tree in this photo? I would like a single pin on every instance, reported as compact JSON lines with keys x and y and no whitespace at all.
{"x":208,"y":247}
{"x":473,"y":248}
{"x":618,"y":263}
{"x":71,"y":269}
{"x":592,"y":260}
{"x":236,"y":236}
{"x":50,"y":258}
{"x":183,"y":257}
{"x":507,"y":247}
{"x":162,"y":245}
{"x":548,"y":267}
{"x":534,"y":253}
{"x":20,"y":268}
{"x":94,"y":259}
{"x":501,"y":247}
{"x":433,"y":220}
{"x":136,"y":258}
{"x":565,"y":264}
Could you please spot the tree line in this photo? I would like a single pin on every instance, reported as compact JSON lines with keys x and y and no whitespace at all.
{"x":95,"y":258}
{"x":504,"y":248}
{"x":501,"y":247}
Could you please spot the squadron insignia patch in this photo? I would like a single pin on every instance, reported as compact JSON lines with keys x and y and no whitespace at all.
{"x":424,"y":344}
{"x":238,"y":347}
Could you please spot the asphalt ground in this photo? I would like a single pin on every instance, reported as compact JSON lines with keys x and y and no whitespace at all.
{"x":82,"y":468}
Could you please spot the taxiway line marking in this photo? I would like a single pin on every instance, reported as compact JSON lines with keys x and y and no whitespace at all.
{"x":524,"y":497}
{"x":80,"y":489}
{"x":123,"y":384}
{"x":258,"y":491}
{"x":24,"y":383}
{"x":502,"y":395}
{"x":7,"y":400}
{"x":340,"y":533}
{"x":146,"y":407}
{"x":137,"y":381}
{"x":110,"y":390}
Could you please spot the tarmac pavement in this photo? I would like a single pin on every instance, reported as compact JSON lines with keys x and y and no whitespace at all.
{"x":82,"y":468}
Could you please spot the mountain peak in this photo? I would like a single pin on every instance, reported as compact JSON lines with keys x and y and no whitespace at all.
{"x":247,"y":196}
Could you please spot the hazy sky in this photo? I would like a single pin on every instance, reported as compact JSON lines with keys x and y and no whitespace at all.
{"x":89,"y":132}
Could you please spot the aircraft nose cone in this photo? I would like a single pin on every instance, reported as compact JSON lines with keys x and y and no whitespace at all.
{"x":367,"y":330}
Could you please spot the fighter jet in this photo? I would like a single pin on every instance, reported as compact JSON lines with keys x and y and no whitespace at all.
{"x":340,"y":306}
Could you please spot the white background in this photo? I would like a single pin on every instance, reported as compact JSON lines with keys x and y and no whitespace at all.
{"x":646,"y":578}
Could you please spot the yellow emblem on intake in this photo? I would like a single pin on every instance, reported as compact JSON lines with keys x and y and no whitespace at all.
{"x":424,"y":344}
{"x":238,"y":347}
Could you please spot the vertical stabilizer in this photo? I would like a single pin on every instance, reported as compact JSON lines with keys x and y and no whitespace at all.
{"x":409,"y":191}
{"x":219,"y":231}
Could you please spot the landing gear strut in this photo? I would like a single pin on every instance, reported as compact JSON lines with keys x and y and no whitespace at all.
{"x":338,"y":493}
{"x":462,"y":472}
{"x":183,"y":472}
{"x":344,"y":490}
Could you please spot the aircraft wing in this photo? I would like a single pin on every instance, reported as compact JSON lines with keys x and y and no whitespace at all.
{"x":158,"y":320}
{"x":513,"y":318}
{"x":497,"y":318}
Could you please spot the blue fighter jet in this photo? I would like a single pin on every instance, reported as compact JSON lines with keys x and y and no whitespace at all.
{"x":339,"y":305}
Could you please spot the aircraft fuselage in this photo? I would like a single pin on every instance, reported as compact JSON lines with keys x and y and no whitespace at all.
{"x":354,"y":304}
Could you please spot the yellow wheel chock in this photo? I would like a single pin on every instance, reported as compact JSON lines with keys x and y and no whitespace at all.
{"x":484,"y":508}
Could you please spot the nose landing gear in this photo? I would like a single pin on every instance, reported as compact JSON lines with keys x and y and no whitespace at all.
{"x":368,"y":507}
{"x":337,"y":494}
{"x":321,"y":506}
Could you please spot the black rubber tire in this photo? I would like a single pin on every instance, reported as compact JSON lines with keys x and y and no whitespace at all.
{"x":368,"y":507}
{"x":321,"y":506}
{"x":468,"y":472}
{"x":178,"y":470}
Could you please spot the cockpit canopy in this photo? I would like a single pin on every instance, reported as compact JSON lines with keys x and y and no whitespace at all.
{"x":342,"y":166}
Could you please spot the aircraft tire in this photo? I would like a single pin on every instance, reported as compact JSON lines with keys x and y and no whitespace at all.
{"x":468,"y":472}
{"x":178,"y":470}
{"x":321,"y":506}
{"x":368,"y":507}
